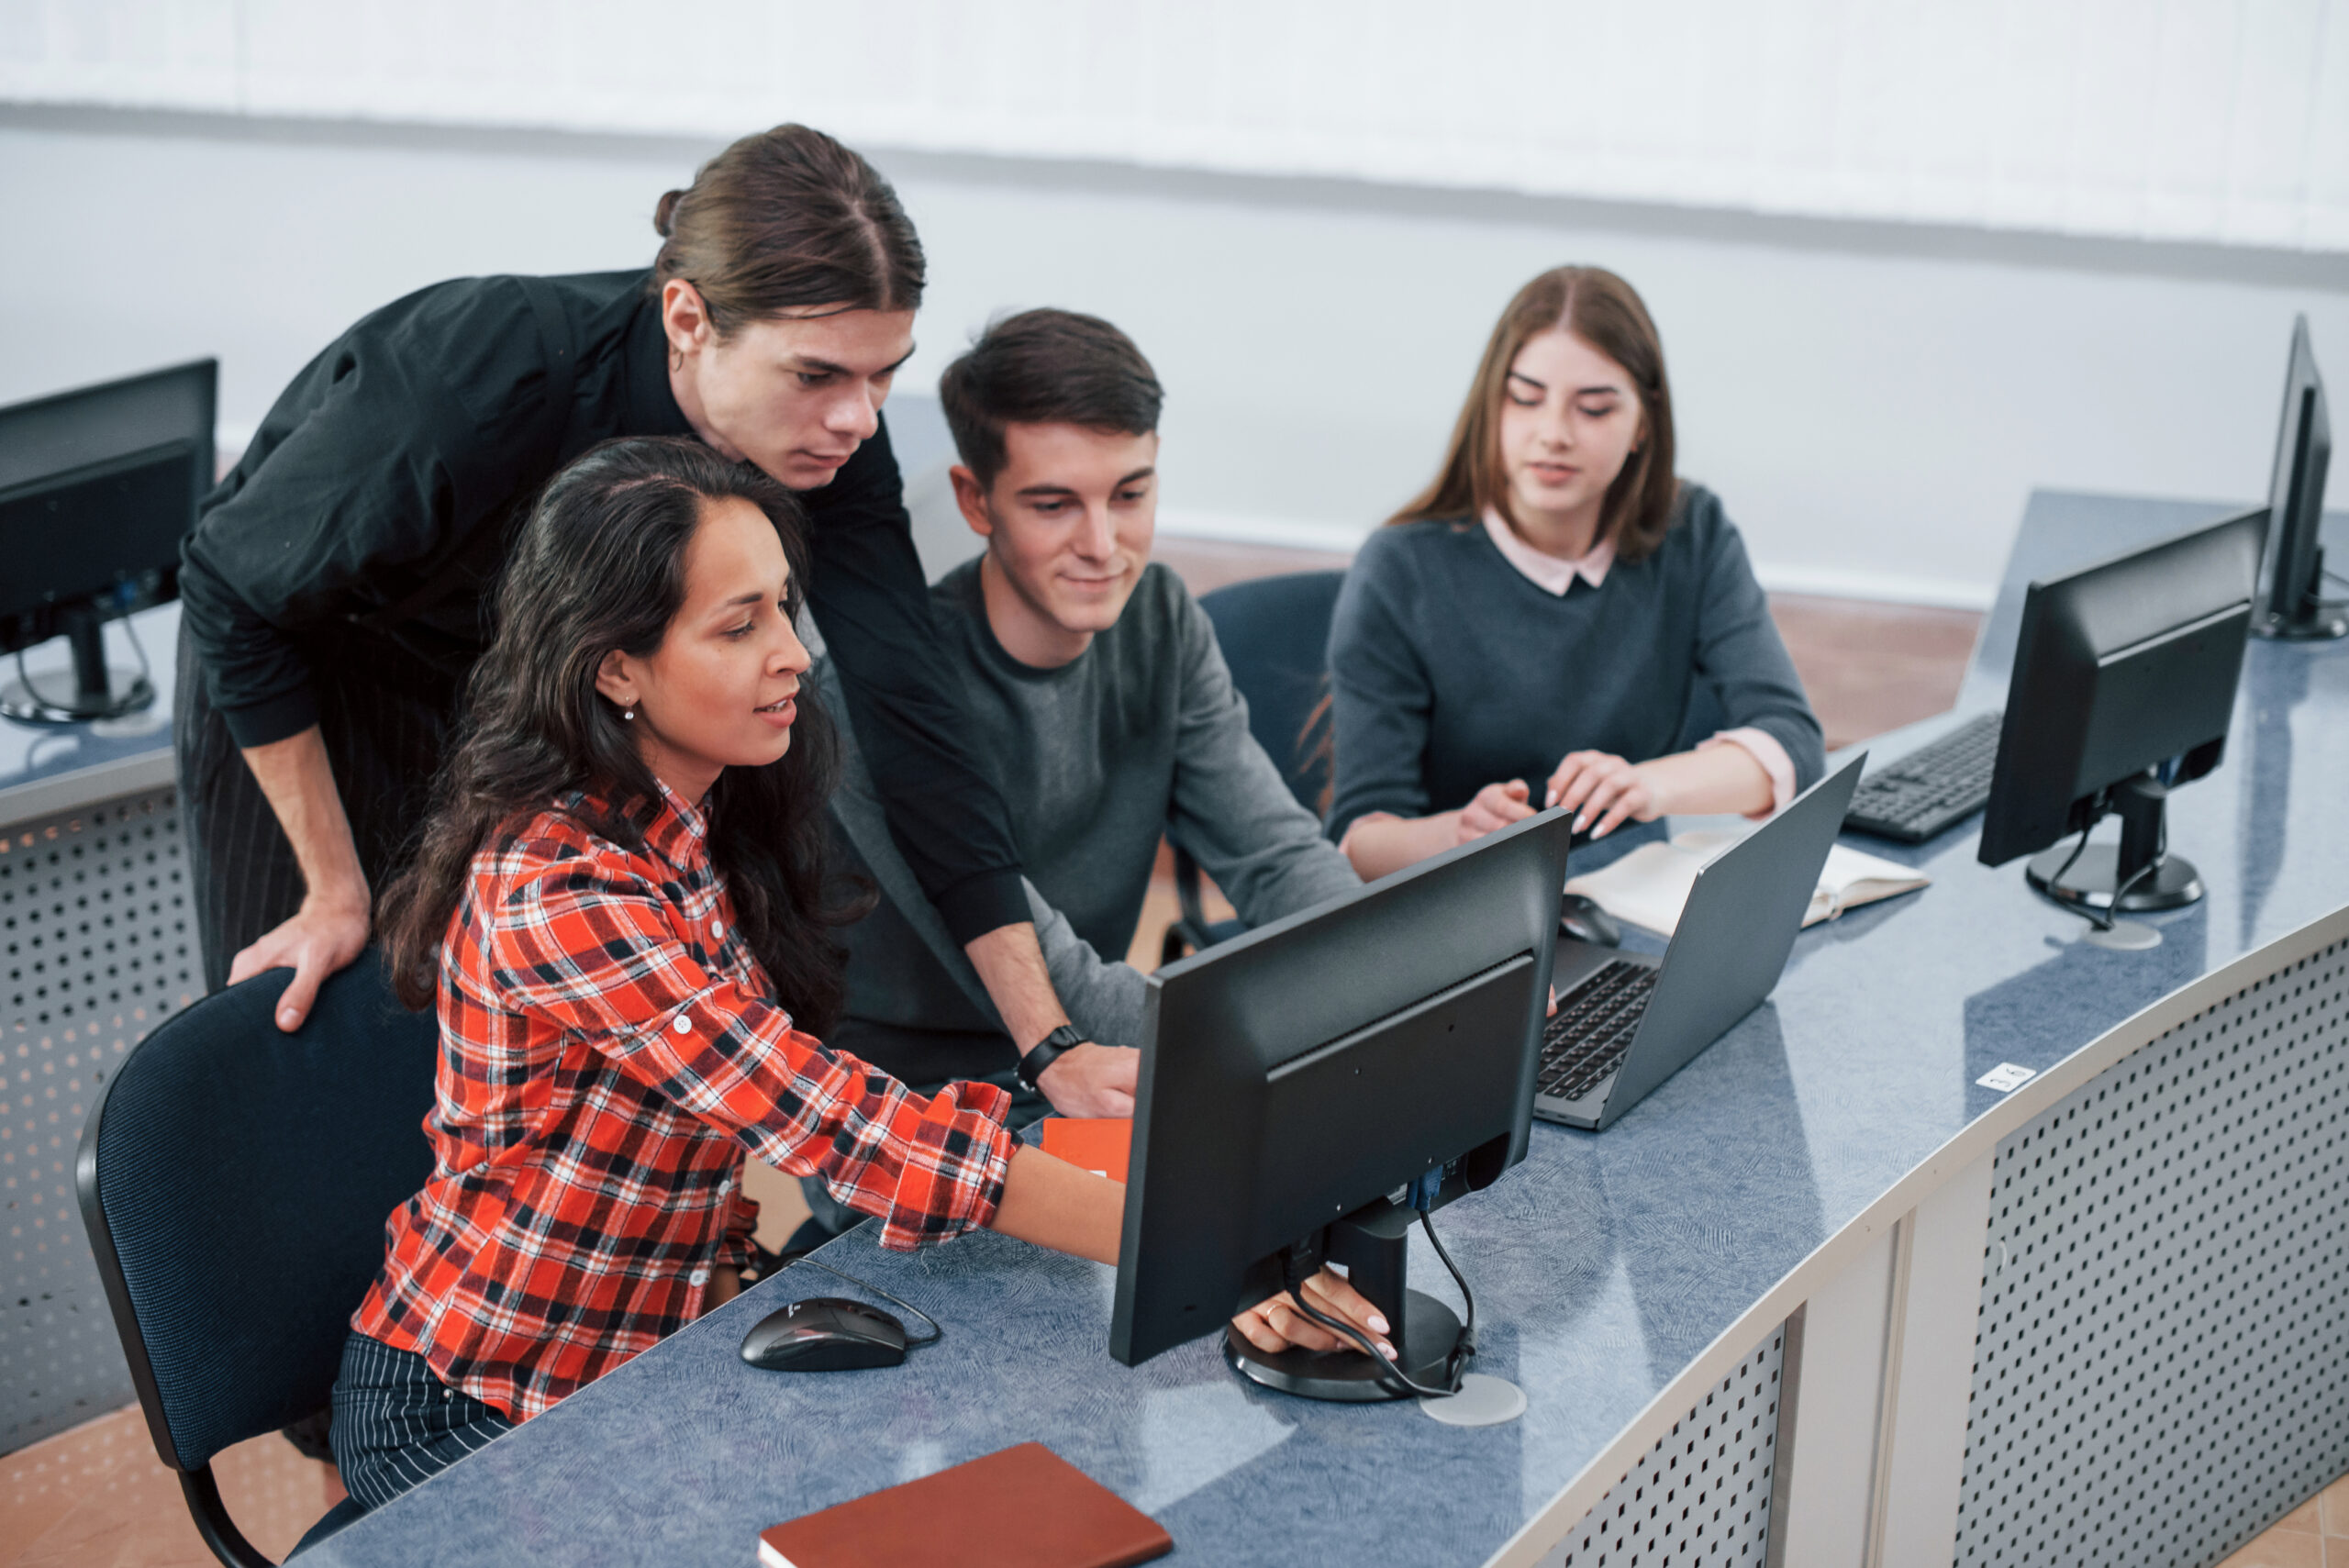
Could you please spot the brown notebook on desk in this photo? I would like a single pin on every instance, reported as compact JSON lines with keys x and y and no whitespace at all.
{"x":1018,"y":1508}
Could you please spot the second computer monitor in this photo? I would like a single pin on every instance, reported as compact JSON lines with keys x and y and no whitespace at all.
{"x":1300,"y":1073}
{"x":2123,"y":686}
{"x":98,"y":486}
{"x":2291,"y":578}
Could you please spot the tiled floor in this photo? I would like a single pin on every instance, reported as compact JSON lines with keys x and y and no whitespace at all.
{"x":2314,"y":1535}
{"x":97,"y":1497}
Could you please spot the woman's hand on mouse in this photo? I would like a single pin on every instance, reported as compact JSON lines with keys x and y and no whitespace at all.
{"x":1275,"y":1324}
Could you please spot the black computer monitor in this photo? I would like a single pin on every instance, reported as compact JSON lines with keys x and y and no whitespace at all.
{"x":1295,"y":1079}
{"x":2123,"y":686}
{"x":97,"y":488}
{"x":2292,"y":572}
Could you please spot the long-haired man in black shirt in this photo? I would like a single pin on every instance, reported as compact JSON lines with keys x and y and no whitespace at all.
{"x":336,"y":585}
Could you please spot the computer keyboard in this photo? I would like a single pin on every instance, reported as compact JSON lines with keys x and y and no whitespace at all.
{"x":1930,"y":789}
{"x":1593,"y":1029}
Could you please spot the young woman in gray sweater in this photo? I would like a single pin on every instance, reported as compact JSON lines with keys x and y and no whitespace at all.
{"x":1558,"y":619}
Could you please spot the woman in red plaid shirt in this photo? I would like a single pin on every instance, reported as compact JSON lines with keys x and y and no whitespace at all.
{"x":619,"y":909}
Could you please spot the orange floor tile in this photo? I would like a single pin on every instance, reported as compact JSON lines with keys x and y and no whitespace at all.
{"x":97,"y":1497}
{"x":2314,"y":1535}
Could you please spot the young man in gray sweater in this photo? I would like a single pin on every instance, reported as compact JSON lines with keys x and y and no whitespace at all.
{"x":1096,"y":689}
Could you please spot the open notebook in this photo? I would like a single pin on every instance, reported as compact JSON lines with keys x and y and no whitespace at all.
{"x":1649,"y":885}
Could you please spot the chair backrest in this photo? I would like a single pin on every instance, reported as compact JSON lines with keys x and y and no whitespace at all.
{"x":1275,"y":632}
{"x":234,"y":1180}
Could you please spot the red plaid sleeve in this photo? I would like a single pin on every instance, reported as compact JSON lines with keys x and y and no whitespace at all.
{"x":593,"y":950}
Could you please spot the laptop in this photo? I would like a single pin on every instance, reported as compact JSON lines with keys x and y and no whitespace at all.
{"x":1626,"y":1022}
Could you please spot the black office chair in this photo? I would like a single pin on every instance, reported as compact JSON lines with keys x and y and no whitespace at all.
{"x":1275,"y":632}
{"x":234,"y":1180}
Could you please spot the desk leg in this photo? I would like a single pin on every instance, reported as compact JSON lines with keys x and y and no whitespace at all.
{"x":1922,"y":1459}
{"x":1827,"y":1451}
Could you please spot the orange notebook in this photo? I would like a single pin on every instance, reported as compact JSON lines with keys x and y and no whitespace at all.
{"x":1018,"y":1508}
{"x":1099,"y":1144}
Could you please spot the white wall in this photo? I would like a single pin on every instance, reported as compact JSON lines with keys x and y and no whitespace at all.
{"x":1873,"y":400}
{"x":2223,"y":120}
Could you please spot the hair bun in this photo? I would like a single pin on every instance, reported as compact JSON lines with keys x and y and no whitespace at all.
{"x":665,"y":215}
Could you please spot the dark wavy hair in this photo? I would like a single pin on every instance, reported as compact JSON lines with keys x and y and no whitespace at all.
{"x":601,"y":565}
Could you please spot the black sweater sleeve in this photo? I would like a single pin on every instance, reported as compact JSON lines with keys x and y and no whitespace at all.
{"x":943,"y":806}
{"x":396,"y":441}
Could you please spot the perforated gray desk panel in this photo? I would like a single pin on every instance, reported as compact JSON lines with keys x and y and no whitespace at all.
{"x":93,"y":836}
{"x":100,"y":947}
{"x":2162,"y":1367}
{"x":1703,"y":1493}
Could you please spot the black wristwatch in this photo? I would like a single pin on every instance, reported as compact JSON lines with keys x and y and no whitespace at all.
{"x":1046,"y":1051}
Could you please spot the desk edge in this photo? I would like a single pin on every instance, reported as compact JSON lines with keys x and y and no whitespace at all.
{"x":86,"y":787}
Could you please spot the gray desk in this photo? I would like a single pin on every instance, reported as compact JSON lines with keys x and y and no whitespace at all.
{"x":1821,"y":1296}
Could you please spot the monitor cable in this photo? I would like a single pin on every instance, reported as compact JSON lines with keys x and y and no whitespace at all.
{"x":2062,"y":871}
{"x":43,"y":711}
{"x":1462,"y":1352}
{"x":2111,"y":913}
{"x":2106,"y":918}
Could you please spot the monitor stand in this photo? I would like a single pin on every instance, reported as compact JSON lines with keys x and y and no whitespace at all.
{"x":93,"y":696}
{"x":1373,"y":1244}
{"x":2313,"y":619}
{"x":2089,"y":885}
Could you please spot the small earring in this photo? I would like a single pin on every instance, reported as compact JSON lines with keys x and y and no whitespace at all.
{"x":627,"y":713}
{"x":676,"y":359}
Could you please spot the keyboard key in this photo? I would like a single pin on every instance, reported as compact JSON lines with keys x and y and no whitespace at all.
{"x":1593,"y":1029}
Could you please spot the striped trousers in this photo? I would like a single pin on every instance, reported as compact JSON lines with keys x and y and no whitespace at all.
{"x":384,"y":745}
{"x":396,"y":1424}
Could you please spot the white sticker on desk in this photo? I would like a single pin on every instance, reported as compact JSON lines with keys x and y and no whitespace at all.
{"x":2005,"y":1075}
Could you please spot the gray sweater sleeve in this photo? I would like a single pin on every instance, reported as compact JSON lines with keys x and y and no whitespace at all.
{"x":1381,"y":693}
{"x":1104,"y":999}
{"x":1740,"y":652}
{"x":1232,"y":808}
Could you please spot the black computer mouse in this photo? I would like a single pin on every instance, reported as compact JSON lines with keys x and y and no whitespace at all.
{"x":1584,"y":920}
{"x":825,"y":1333}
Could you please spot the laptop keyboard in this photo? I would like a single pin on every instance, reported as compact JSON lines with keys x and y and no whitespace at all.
{"x":1593,"y":1029}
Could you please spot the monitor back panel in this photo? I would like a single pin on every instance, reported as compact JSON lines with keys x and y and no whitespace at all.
{"x":97,"y":488}
{"x":2160,"y":697}
{"x":2296,"y":491}
{"x":105,"y":525}
{"x":1233,"y":1036}
{"x":2158,"y":634}
{"x":1362,"y":1115}
{"x":46,"y":437}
